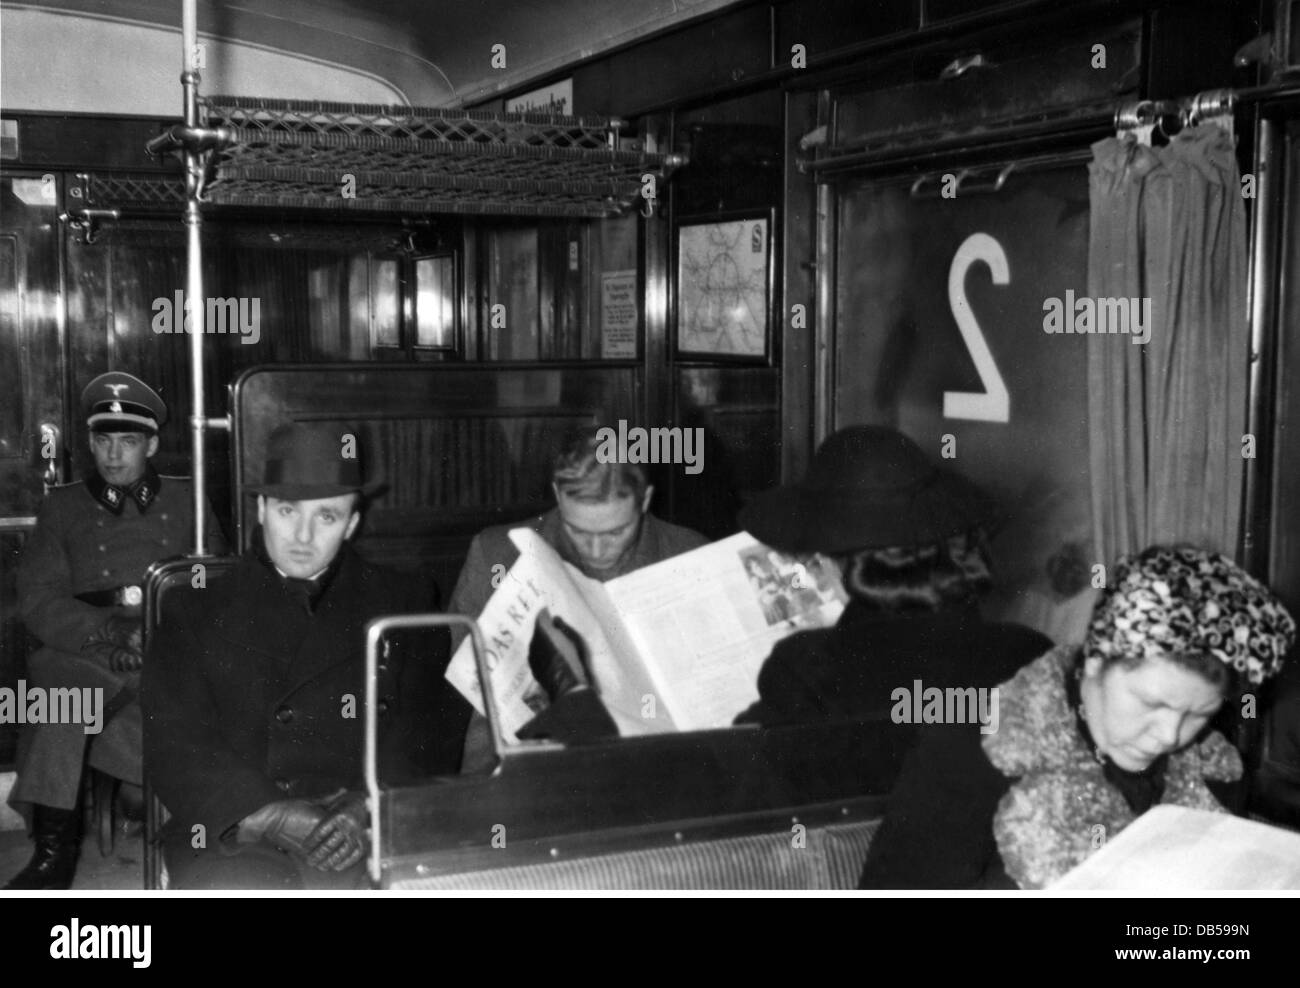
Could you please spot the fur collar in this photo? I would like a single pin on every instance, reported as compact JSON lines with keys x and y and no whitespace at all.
{"x":1060,"y":807}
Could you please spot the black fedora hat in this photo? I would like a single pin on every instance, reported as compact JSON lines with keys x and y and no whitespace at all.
{"x":868,"y":488}
{"x":308,"y":461}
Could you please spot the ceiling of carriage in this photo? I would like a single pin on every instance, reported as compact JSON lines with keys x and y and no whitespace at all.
{"x":123,"y":56}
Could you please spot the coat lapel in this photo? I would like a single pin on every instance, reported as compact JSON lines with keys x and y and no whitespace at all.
{"x":333,"y":633}
{"x":260,"y":622}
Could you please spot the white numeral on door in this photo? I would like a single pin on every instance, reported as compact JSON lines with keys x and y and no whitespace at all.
{"x":993,"y":404}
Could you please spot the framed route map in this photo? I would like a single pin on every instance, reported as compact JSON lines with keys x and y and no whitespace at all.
{"x":723,"y":287}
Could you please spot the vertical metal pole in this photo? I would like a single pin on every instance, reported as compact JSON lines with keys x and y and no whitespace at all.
{"x":194,"y":297}
{"x":1262,"y":292}
{"x":824,"y":338}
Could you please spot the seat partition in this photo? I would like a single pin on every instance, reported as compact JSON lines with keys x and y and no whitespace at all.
{"x":749,"y":807}
{"x":168,"y":584}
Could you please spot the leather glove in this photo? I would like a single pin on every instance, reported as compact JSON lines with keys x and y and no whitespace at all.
{"x":118,"y":642}
{"x":340,"y":839}
{"x":287,"y":824}
{"x":558,"y":656}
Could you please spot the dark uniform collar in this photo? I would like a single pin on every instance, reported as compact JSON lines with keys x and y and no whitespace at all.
{"x":114,"y":498}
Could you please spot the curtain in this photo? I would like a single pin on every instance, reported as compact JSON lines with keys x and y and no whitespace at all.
{"x":1167,"y":417}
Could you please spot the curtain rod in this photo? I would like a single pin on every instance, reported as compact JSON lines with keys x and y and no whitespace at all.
{"x":1214,"y":102}
{"x":1203,"y":105}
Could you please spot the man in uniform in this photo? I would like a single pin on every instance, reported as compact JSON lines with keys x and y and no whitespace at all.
{"x":601,"y":523}
{"x":254,"y":691}
{"x":79,"y":594}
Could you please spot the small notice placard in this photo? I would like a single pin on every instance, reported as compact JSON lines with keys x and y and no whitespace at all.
{"x":618,"y":314}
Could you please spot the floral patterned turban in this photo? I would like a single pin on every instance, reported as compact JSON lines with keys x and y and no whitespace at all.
{"x":1185,"y":600}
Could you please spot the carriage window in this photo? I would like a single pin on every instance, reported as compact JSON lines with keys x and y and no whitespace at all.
{"x":385,"y":303}
{"x":435,"y":298}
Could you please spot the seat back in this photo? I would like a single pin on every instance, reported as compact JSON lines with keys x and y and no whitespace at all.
{"x":167,"y":584}
{"x":456,"y":446}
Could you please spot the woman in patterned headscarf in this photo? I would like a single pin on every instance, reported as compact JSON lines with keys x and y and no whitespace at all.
{"x":1090,"y":737}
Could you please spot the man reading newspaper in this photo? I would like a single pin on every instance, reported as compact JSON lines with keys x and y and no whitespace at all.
{"x":600,"y":524}
{"x":671,"y":647}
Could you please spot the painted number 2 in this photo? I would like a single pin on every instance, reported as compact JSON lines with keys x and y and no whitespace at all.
{"x":993,"y":404}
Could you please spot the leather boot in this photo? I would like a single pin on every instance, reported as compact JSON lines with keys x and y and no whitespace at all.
{"x":57,"y":835}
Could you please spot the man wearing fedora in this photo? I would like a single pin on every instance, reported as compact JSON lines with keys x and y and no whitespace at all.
{"x":79,"y":594}
{"x":908,"y":538}
{"x":254,"y":696}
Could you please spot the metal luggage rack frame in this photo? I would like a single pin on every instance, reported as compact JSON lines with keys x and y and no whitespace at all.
{"x":300,"y":154}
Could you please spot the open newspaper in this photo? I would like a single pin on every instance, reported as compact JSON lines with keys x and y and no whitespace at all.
{"x":676,"y":646}
{"x":1171,"y":848}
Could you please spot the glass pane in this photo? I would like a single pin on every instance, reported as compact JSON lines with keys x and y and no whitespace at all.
{"x":435,"y":323}
{"x":385,"y":302}
{"x":11,"y":378}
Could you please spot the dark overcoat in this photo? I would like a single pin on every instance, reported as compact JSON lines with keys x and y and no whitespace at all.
{"x":250,"y":697}
{"x":849,"y":672}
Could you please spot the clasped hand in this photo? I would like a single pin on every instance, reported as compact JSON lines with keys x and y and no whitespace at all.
{"x":329,"y":834}
{"x":118,"y":642}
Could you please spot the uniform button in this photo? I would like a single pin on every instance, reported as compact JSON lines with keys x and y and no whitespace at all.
{"x":284,"y":714}
{"x":164,"y":517}
{"x":104,"y":572}
{"x":382,"y":705}
{"x":103,"y":548}
{"x":164,"y":542}
{"x":284,"y":785}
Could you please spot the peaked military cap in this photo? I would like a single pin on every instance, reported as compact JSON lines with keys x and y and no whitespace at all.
{"x":120,"y":402}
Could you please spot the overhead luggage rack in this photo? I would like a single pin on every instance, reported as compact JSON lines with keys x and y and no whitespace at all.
{"x":297,"y":154}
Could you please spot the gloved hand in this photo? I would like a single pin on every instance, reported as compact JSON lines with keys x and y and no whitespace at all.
{"x":118,"y":643}
{"x":287,"y":824}
{"x":558,"y":656}
{"x":340,"y":839}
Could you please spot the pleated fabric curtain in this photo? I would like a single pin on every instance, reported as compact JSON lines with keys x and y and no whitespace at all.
{"x":1167,"y":417}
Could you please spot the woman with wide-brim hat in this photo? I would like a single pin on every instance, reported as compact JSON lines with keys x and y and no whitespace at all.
{"x":908,"y":537}
{"x":1090,"y":736}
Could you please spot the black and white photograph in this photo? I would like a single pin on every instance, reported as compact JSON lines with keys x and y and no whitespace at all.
{"x":643,"y":448}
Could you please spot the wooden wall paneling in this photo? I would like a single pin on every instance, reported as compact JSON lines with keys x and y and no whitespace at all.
{"x":512,"y":282}
{"x":738,"y":412}
{"x":88,"y":280}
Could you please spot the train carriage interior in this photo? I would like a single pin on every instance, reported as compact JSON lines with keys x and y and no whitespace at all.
{"x":467,"y":228}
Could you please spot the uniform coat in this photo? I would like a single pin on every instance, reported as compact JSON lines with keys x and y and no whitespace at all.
{"x":81,"y":545}
{"x":251,"y":698}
